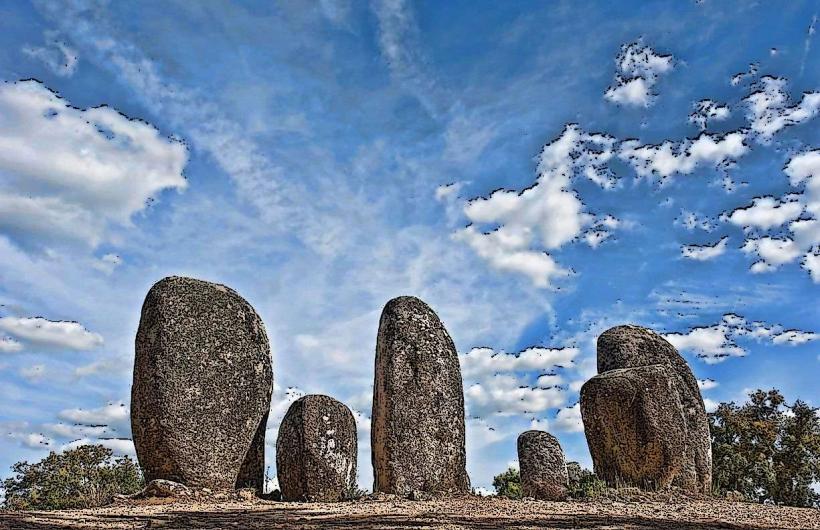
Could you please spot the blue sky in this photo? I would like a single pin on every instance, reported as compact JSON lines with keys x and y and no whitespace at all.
{"x":537,"y":172}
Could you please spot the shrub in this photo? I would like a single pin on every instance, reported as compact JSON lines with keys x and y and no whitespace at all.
{"x":508,"y":484}
{"x":85,"y":477}
{"x":585,"y":485}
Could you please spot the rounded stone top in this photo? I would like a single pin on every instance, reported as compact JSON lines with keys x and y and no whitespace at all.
{"x":406,"y":305}
{"x":630,"y":346}
{"x":533,"y":435}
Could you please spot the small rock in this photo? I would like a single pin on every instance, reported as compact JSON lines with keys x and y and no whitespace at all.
{"x":165,"y":488}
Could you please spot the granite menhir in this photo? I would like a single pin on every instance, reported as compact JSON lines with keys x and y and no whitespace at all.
{"x":417,"y":436}
{"x":542,"y":466}
{"x":202,"y":386}
{"x":643,"y":414}
{"x":316,"y":451}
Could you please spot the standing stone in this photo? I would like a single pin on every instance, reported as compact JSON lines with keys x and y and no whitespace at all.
{"x":542,"y":466}
{"x":417,"y":435}
{"x":316,"y":451}
{"x":202,"y":386}
{"x":662,"y":435}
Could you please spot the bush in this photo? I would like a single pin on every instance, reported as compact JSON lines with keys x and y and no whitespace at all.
{"x":585,"y":485}
{"x":85,"y":477}
{"x":766,"y":449}
{"x":508,"y":484}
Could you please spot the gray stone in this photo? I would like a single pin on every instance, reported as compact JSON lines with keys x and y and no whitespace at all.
{"x":542,"y":466}
{"x":573,"y":472}
{"x":417,"y":435}
{"x":202,"y":386}
{"x":164,"y":488}
{"x":635,"y":427}
{"x":316,"y":451}
{"x":635,"y":346}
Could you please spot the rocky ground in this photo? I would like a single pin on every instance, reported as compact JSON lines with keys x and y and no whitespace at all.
{"x":467,"y":513}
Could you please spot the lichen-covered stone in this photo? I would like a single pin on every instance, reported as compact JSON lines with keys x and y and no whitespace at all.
{"x":316,"y":450}
{"x":635,"y":346}
{"x":202,"y":386}
{"x":542,"y":466}
{"x":417,"y":436}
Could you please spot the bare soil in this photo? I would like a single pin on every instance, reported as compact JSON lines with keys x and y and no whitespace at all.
{"x":461,"y":513}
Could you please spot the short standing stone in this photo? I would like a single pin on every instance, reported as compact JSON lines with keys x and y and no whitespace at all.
{"x":202,"y":386}
{"x":417,"y":436}
{"x":316,"y":450}
{"x":542,"y":466}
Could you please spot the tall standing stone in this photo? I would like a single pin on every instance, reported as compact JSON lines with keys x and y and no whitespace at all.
{"x":643,"y":414}
{"x":417,"y":435}
{"x":202,"y":386}
{"x":542,"y":466}
{"x":316,"y":450}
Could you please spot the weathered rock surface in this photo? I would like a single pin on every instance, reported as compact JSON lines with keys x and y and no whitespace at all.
{"x":316,"y":450}
{"x":417,"y":434}
{"x":202,"y":386}
{"x":542,"y":466}
{"x":645,"y":426}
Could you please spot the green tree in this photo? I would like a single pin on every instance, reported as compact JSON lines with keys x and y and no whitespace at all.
{"x":508,"y":484}
{"x":766,"y":449}
{"x":85,"y":477}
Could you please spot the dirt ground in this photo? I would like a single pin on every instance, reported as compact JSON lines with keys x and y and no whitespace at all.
{"x":463,"y":513}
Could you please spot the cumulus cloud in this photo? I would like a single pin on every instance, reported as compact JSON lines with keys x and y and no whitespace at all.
{"x":707,"y":384}
{"x":505,"y":394}
{"x":766,"y":213}
{"x":670,"y":158}
{"x":116,"y":415}
{"x":770,"y":109}
{"x":716,"y":343}
{"x":68,"y":174}
{"x":704,"y":252}
{"x":568,"y":419}
{"x":49,"y":333}
{"x":9,"y":345}
{"x":483,"y":362}
{"x":637,"y":70}
{"x":706,"y":111}
{"x":58,"y":56}
{"x":545,"y":216}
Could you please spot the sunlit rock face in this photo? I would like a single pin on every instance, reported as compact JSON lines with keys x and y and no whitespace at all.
{"x":643,"y":414}
{"x":316,"y":451}
{"x":417,"y":436}
{"x":542,"y":466}
{"x":202,"y":386}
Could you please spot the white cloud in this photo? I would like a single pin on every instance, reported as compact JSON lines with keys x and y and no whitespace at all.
{"x":568,"y":419}
{"x":794,"y":337}
{"x":58,"y":56}
{"x":766,"y":213}
{"x":704,"y":252}
{"x":710,"y":405}
{"x":34,"y":372}
{"x":9,"y":345}
{"x":107,"y":263}
{"x":505,"y":394}
{"x":446,"y":191}
{"x":485,"y":362}
{"x":770,"y":110}
{"x":707,"y":384}
{"x":66,"y":174}
{"x":57,"y":334}
{"x":637,"y":70}
{"x":116,"y":415}
{"x":545,"y":216}
{"x":707,"y":111}
{"x":108,"y":365}
{"x":75,"y":431}
{"x":119,"y":446}
{"x":670,"y":158}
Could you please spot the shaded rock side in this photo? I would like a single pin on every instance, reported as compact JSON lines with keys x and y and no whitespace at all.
{"x":316,"y":450}
{"x":634,"y":346}
{"x":202,"y":386}
{"x":417,"y":435}
{"x":542,"y":466}
{"x":635,"y":426}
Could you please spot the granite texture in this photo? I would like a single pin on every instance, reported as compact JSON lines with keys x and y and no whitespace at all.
{"x":202,"y":386}
{"x":542,"y":466}
{"x":417,"y":434}
{"x":316,"y":451}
